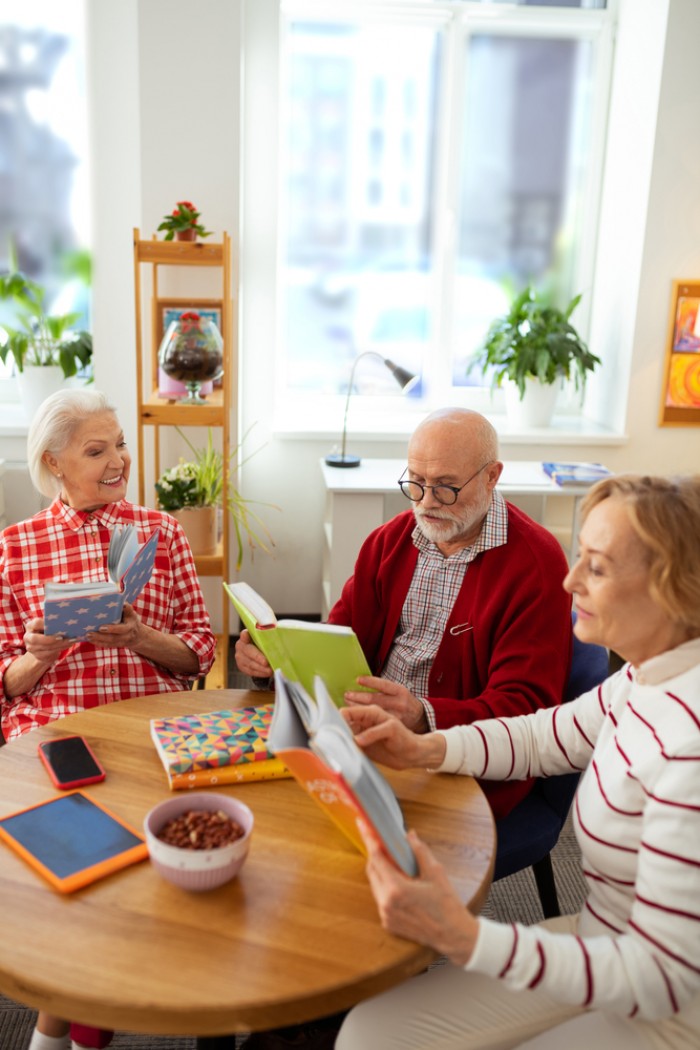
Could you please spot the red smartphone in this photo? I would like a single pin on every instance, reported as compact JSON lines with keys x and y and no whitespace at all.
{"x":70,"y":762}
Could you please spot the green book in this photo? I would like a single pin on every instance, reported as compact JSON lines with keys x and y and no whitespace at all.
{"x":301,"y":649}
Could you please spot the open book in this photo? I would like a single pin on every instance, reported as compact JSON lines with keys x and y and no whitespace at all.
{"x":320,"y":752}
{"x":74,"y":609}
{"x":217,"y":747}
{"x":302,"y":649}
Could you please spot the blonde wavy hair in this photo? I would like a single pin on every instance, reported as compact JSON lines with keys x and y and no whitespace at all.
{"x":665,"y":514}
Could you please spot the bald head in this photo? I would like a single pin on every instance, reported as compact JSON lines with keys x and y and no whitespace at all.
{"x":455,"y":431}
{"x":456,"y":449}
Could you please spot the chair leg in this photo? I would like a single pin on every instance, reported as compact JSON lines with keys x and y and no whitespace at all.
{"x":546,"y":887}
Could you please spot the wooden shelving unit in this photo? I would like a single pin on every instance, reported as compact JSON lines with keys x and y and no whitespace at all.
{"x":151,"y":257}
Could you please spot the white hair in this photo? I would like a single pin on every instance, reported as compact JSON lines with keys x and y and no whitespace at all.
{"x":52,"y":429}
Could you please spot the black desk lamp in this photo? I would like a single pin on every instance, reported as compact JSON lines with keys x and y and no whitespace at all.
{"x":403,"y":377}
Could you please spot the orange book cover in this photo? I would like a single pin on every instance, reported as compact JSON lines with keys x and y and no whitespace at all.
{"x":327,"y":788}
{"x":318,"y":748}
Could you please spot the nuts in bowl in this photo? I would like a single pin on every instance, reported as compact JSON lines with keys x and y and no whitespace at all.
{"x":200,"y":839}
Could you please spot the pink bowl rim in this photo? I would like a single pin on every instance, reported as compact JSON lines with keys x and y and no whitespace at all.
{"x":183,"y":859}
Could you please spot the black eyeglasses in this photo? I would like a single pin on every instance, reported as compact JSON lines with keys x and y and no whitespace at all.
{"x":445,"y":494}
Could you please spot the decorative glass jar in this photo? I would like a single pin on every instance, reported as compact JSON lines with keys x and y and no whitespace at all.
{"x":192,"y":352}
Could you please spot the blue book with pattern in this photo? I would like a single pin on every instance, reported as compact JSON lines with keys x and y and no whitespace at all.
{"x":75,"y":609}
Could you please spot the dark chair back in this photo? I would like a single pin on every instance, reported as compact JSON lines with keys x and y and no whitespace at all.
{"x":528,"y":834}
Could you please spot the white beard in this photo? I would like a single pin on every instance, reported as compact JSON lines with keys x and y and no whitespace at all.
{"x":451,"y":528}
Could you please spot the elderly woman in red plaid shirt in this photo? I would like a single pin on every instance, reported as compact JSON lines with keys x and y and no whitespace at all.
{"x":79,"y":459}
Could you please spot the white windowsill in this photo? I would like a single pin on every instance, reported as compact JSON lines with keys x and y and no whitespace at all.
{"x":13,"y":420}
{"x":385,"y":426}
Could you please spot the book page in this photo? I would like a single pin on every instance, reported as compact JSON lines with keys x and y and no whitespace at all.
{"x":377,"y":802}
{"x":242,"y":594}
{"x":315,"y":625}
{"x":358,"y":763}
{"x":123,"y":548}
{"x":138,"y":572}
{"x":78,"y":590}
{"x":327,"y":713}
{"x":288,"y":727}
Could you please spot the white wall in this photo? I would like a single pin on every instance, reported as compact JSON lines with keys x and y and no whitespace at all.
{"x":167,"y":126}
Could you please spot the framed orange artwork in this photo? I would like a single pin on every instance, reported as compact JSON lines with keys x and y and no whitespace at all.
{"x":680,"y":402}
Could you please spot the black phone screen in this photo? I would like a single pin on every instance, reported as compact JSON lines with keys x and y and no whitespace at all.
{"x":70,"y":759}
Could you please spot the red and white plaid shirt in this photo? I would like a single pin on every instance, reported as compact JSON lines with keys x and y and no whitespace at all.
{"x":71,"y":546}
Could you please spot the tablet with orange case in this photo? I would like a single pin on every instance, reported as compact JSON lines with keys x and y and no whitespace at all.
{"x":72,"y":840}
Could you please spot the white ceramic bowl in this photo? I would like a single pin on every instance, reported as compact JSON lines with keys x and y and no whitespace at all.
{"x":198,"y":869}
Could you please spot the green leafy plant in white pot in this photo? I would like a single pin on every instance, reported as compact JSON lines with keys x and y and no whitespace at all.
{"x":46,"y":347}
{"x":529,"y":351}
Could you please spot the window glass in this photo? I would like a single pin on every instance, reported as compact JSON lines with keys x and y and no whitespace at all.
{"x":522,"y":177}
{"x":356,"y":269}
{"x":44,"y":199}
{"x":431,"y":167}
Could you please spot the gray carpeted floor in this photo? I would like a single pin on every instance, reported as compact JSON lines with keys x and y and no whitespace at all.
{"x":510,"y":900}
{"x":515,"y":899}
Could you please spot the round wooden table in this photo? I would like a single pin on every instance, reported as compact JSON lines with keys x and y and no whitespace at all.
{"x":294,"y":937}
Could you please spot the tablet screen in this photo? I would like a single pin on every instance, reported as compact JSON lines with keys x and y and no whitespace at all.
{"x":72,"y":840}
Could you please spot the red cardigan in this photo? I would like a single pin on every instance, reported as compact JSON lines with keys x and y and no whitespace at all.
{"x":517,"y":656}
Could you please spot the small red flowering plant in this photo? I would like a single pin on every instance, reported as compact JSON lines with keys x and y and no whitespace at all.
{"x":184,"y":216}
{"x":190,"y":320}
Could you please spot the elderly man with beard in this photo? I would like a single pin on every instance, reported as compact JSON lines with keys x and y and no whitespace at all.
{"x":457,"y":602}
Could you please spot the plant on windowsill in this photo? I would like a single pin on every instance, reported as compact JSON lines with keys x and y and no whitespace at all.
{"x":535,"y":346}
{"x":46,"y":347}
{"x":197,"y":485}
{"x":182,"y":223}
{"x":41,"y":340}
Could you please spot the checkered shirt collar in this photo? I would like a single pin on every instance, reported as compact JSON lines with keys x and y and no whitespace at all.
{"x":494,"y":533}
{"x":110,"y":514}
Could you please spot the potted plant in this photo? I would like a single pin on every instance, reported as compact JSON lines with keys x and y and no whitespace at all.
{"x":533,"y":347}
{"x":182,"y":223}
{"x":198,"y":485}
{"x":45,"y":347}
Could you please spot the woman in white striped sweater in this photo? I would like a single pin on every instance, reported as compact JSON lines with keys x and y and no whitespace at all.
{"x":625,"y":973}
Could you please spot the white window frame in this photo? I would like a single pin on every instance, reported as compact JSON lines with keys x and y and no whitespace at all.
{"x":293,"y":411}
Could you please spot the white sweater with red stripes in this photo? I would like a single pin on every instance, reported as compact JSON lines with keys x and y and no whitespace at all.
{"x":637,"y":821}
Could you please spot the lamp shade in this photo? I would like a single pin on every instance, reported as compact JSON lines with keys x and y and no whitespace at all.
{"x":406,"y":380}
{"x":403,"y":377}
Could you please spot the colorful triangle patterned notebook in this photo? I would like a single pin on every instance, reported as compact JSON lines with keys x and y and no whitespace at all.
{"x":216,"y":747}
